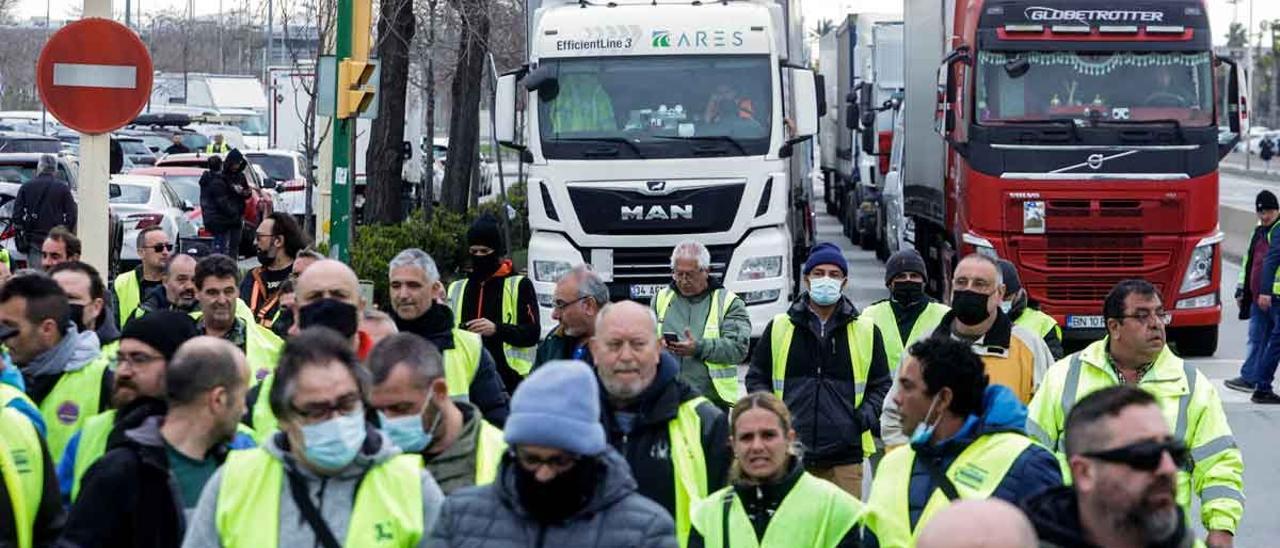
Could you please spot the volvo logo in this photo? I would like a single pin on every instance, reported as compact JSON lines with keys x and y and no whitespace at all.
{"x":657,"y":212}
{"x":1095,"y":161}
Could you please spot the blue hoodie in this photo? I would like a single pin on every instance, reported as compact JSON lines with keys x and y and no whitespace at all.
{"x":1035,"y":469}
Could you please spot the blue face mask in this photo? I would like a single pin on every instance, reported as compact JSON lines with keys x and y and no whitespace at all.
{"x":825,"y":291}
{"x":333,"y":444}
{"x":1006,"y":306}
{"x":924,"y":431}
{"x":407,"y":432}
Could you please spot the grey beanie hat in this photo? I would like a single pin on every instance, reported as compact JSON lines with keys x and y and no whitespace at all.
{"x":558,"y":406}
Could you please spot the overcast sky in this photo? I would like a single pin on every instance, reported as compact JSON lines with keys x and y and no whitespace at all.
{"x":1221,"y":12}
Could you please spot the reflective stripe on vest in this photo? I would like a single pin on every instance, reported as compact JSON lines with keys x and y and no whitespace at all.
{"x":882,"y":315}
{"x":688,"y":462}
{"x":861,"y":340}
{"x":519,"y":359}
{"x":91,"y":447}
{"x":815,"y":513}
{"x":976,"y":473}
{"x":20,"y":464}
{"x":461,"y":363}
{"x":1038,"y":322}
{"x":1072,"y":393}
{"x":75,"y":398}
{"x":128,"y":295}
{"x":489,"y":449}
{"x":724,"y":376}
{"x":387,"y":510}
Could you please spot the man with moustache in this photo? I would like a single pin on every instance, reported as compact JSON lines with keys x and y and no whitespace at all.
{"x":1135,"y":353}
{"x":675,"y":440}
{"x":1124,"y":464}
{"x":145,"y":350}
{"x":177,"y":289}
{"x":579,"y":296}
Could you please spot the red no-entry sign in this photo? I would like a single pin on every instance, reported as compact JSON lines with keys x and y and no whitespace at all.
{"x":94,"y":75}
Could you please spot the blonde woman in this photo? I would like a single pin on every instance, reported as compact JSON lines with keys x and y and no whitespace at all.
{"x":772,"y":501}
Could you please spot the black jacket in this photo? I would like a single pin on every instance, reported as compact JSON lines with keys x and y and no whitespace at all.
{"x":128,"y":497}
{"x":42,"y":203}
{"x":177,"y":148}
{"x":222,"y":196}
{"x":487,"y":391}
{"x":558,"y":346}
{"x":647,"y":447}
{"x":1055,"y":515}
{"x":761,"y":501}
{"x":819,"y":387}
{"x":483,"y":299}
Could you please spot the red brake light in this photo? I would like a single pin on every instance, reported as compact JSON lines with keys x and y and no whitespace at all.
{"x":146,"y":220}
{"x":8,"y":233}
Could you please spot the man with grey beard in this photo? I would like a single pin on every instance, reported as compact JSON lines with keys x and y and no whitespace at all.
{"x":1124,"y":461}
{"x":675,"y":440}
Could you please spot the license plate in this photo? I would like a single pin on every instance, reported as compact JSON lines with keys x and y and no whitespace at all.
{"x":1085,"y":322}
{"x":646,"y":291}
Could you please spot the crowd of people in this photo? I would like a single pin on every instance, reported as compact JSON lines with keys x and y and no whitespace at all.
{"x":190,"y":404}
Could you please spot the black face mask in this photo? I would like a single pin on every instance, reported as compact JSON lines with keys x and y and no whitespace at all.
{"x":483,"y":266}
{"x":557,"y":500}
{"x":907,"y":293}
{"x":331,"y":313}
{"x":970,"y":307}
{"x":77,"y":316}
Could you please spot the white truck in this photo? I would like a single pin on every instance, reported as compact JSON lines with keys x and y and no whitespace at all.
{"x":650,"y":122}
{"x":234,"y":100}
{"x":861,"y":61}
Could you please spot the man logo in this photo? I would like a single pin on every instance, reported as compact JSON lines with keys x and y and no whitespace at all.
{"x":657,"y":213}
{"x":661,"y":38}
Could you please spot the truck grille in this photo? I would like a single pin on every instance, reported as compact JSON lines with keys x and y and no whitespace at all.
{"x":1094,"y":258}
{"x":689,"y":211}
{"x":652,"y":265}
{"x":1065,"y":290}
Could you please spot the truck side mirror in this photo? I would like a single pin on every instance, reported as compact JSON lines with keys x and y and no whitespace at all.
{"x":1237,"y":106}
{"x":944,"y":115}
{"x":505,"y":110}
{"x":544,"y":81}
{"x":807,"y":98}
{"x":820,"y":82}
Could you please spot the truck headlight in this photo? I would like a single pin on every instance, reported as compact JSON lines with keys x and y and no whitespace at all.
{"x":1199,"y":269}
{"x":758,"y":297}
{"x":759,"y":268}
{"x":1203,"y":301}
{"x":546,"y":300}
{"x":550,"y":271}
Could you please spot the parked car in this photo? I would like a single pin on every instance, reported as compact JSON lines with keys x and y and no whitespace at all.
{"x":186,"y":182}
{"x":12,"y":142}
{"x":136,"y":150}
{"x":287,"y":172}
{"x":257,"y":207}
{"x":16,"y":169}
{"x":143,"y":201}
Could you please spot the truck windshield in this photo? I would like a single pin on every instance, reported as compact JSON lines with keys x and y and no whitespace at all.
{"x":1112,"y":87}
{"x":668,"y":107}
{"x":251,"y":125}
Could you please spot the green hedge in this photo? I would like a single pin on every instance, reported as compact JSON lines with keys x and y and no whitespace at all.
{"x":443,"y":236}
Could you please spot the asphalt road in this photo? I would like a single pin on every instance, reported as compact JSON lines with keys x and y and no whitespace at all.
{"x":1255,"y":426}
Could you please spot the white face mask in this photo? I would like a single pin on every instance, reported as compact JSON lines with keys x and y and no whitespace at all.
{"x":1006,"y":306}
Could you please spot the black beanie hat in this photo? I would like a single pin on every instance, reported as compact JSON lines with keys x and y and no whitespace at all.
{"x":906,"y":260}
{"x":484,"y":231}
{"x":1012,"y":283}
{"x":1265,"y":200}
{"x":163,"y":330}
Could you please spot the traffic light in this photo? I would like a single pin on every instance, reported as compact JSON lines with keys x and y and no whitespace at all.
{"x":353,"y":94}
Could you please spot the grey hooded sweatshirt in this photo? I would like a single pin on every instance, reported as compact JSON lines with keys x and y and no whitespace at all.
{"x":333,"y":496}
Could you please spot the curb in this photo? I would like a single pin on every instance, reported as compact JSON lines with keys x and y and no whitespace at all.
{"x":1235,"y":169}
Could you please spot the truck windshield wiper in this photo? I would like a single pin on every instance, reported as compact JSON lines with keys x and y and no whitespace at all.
{"x":719,"y":138}
{"x":1070,"y":123}
{"x":621,"y":140}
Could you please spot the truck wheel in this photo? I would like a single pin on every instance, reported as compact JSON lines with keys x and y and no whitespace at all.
{"x":1196,"y":342}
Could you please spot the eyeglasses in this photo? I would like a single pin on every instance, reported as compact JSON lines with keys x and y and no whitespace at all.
{"x":136,"y":358}
{"x":1145,"y":316}
{"x":561,"y":305}
{"x":160,"y":248}
{"x":1145,"y":455}
{"x":558,"y":463}
{"x":319,"y":411}
{"x":685,"y":275}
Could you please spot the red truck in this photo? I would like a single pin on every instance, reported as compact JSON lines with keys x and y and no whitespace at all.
{"x":1078,"y":139}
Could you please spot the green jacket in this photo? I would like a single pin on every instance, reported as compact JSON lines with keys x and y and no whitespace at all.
{"x":731,"y":347}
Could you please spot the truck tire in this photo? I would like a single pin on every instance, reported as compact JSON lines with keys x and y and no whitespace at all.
{"x":1196,"y":342}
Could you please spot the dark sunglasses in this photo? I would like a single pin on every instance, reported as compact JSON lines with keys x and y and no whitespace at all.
{"x":158,"y":248}
{"x":1145,"y":455}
